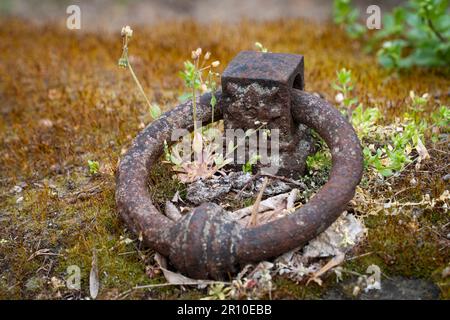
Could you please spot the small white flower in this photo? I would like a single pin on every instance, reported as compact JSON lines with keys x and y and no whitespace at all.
{"x":339,"y":98}
{"x":16,"y":189}
{"x":207,"y":55}
{"x":127,"y":31}
{"x":196,"y":53}
{"x":215,"y":64}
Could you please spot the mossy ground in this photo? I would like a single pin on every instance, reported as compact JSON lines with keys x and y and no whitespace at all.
{"x":64,"y":101}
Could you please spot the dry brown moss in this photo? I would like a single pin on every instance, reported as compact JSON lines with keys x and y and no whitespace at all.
{"x":72,"y":79}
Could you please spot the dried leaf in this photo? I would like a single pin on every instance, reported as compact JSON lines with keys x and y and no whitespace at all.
{"x":93,"y":277}
{"x":340,"y":237}
{"x":218,"y":160}
{"x":176,"y":198}
{"x":422,"y":150}
{"x":172,"y":211}
{"x":230,"y":148}
{"x":293,"y":196}
{"x":176,"y":278}
{"x":197,"y":144}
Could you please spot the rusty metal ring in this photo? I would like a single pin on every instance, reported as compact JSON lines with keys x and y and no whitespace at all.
{"x":204,"y":243}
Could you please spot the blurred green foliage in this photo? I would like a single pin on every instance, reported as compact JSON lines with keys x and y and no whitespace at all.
{"x":417,"y":34}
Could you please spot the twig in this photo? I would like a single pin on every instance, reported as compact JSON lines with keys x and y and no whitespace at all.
{"x":88,"y":190}
{"x":256,"y":176}
{"x":253,"y":217}
{"x":43,"y":252}
{"x":161,"y":285}
{"x":441,"y":151}
{"x":401,"y":191}
{"x":194,"y":283}
{"x":435,"y":31}
{"x":283,"y":179}
{"x":360,"y":256}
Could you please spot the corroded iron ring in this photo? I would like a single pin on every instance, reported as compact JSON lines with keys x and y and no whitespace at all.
{"x":205,"y":244}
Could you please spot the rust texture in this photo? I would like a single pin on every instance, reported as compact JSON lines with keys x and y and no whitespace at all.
{"x":257,"y":86}
{"x":205,"y":243}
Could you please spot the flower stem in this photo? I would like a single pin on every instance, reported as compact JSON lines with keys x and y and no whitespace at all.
{"x":138,"y":84}
{"x":213,"y":93}
{"x":194,"y":96}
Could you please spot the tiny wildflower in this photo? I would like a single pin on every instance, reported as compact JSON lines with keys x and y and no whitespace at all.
{"x":124,"y":62}
{"x":196,"y":54}
{"x":127,"y":32}
{"x":339,"y":98}
{"x":215,"y":64}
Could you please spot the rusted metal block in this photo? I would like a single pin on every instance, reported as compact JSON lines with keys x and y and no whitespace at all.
{"x":257,"y":89}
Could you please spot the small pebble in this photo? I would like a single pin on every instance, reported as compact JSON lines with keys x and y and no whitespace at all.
{"x":46,"y":123}
{"x":446,"y":177}
{"x":446,"y":272}
{"x":16,"y":189}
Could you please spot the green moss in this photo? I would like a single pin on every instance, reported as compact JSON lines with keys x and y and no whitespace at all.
{"x":163,"y":185}
{"x":400,"y":248}
{"x":288,"y":289}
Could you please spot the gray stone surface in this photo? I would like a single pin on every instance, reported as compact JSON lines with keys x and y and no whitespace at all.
{"x":216,"y":188}
{"x":396,"y":288}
